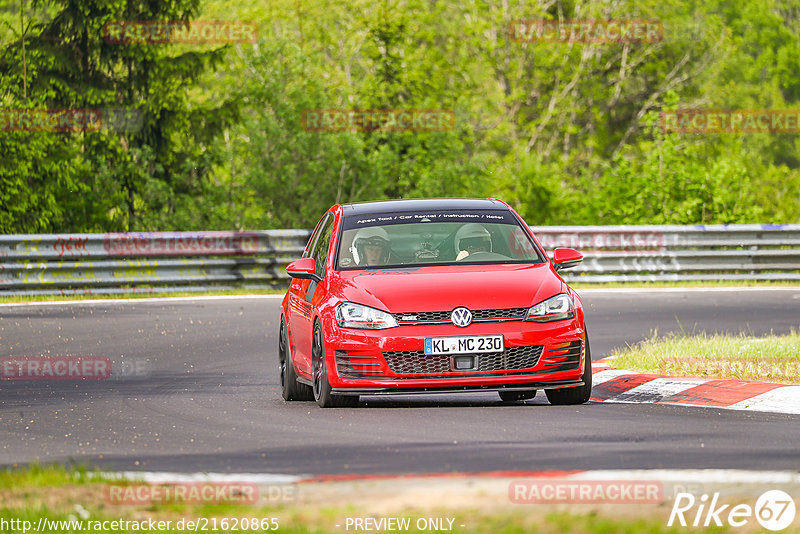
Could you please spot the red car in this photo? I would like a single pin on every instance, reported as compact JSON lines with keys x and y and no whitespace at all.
{"x":431,"y":296}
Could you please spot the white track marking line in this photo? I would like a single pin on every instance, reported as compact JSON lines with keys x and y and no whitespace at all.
{"x":705,"y":476}
{"x":620,"y":290}
{"x":665,"y":475}
{"x":143,"y":300}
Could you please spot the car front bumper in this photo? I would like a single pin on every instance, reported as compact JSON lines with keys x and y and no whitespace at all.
{"x":392,"y":361}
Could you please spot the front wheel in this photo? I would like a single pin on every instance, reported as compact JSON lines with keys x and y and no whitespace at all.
{"x":322,"y":388}
{"x":575,"y":395}
{"x":291,"y":389}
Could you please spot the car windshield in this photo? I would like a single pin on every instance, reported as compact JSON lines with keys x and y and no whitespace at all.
{"x":438,"y":237}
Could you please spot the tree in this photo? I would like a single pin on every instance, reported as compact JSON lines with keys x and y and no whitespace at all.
{"x":70,"y":64}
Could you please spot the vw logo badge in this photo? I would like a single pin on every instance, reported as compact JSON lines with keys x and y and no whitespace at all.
{"x":461,"y":317}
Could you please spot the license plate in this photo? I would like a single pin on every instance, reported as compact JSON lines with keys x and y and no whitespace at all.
{"x":463,"y":344}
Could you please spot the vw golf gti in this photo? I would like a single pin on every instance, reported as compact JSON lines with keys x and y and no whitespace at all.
{"x":431,"y":296}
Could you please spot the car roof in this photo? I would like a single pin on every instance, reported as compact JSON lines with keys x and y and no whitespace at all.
{"x":422,"y":204}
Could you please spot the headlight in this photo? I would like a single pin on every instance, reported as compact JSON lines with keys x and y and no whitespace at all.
{"x":553,"y":309}
{"x":349,"y":315}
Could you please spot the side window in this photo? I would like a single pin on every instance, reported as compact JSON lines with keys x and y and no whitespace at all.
{"x":319,"y":251}
{"x":312,"y":241}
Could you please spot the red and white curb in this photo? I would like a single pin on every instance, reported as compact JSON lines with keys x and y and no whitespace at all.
{"x":620,"y":385}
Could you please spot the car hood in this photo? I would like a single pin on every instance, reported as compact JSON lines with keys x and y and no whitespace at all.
{"x":442,"y":288}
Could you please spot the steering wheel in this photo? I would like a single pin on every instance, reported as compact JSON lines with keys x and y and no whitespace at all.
{"x":484,"y":256}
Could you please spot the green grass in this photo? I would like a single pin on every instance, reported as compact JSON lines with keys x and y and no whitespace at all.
{"x":36,"y":476}
{"x":741,"y":357}
{"x":77,"y":494}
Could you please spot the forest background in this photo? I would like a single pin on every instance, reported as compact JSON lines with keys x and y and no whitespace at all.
{"x":566,"y":132}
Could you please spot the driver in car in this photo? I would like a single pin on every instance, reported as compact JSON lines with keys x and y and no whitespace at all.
{"x":371,"y":246}
{"x":472,"y":238}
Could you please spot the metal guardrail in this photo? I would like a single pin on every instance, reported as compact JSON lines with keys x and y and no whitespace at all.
{"x":199,"y":261}
{"x":679,"y":253}
{"x":146,"y":262}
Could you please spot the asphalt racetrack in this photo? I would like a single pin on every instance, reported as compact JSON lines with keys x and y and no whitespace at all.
{"x":200,"y":392}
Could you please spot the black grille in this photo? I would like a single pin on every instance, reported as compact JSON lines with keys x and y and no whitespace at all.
{"x":357,"y":366}
{"x":565,"y":358}
{"x":513,"y":358}
{"x":504,"y":314}
{"x":416,"y":362}
{"x":422,"y":317}
{"x":407,"y":362}
{"x":507,"y":313}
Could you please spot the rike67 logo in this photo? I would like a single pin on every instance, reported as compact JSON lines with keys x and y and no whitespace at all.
{"x":774,"y":510}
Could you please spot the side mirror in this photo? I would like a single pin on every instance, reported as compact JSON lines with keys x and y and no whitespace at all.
{"x":304,"y":268}
{"x":566,"y":258}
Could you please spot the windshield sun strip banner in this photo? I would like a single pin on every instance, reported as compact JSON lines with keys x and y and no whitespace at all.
{"x":458,"y":216}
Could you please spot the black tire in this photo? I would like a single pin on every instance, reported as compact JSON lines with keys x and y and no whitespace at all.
{"x":322,"y":388}
{"x":515,"y":396}
{"x":291,"y":389}
{"x":575,"y":395}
